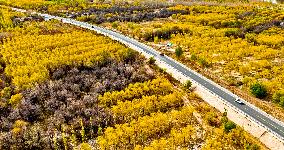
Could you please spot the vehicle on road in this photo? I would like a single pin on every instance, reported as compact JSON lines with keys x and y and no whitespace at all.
{"x":162,"y":54}
{"x":239,"y":101}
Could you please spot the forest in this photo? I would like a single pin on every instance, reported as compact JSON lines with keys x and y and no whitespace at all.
{"x":63,"y":87}
{"x":250,"y":45}
{"x":237,"y":46}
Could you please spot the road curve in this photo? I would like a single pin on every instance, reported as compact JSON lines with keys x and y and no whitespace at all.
{"x":255,"y":114}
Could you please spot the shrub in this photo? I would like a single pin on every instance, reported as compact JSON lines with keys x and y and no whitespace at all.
{"x":258,"y":90}
{"x":187,"y":84}
{"x":232,"y":24}
{"x":212,"y":119}
{"x":1,"y":68}
{"x":174,"y":16}
{"x":85,"y":146}
{"x":179,"y":51}
{"x":18,"y":126}
{"x":114,"y":24}
{"x":203,"y":62}
{"x":233,"y":32}
{"x":224,"y":118}
{"x":253,"y":147}
{"x":277,"y":95}
{"x":129,"y":55}
{"x":15,"y":100}
{"x":229,"y":126}
{"x":193,"y":57}
{"x":152,"y":60}
{"x":251,"y":37}
{"x":281,"y":102}
{"x":156,"y":39}
{"x":6,"y":92}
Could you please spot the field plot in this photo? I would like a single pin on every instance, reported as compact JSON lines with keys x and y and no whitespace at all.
{"x":66,"y":88}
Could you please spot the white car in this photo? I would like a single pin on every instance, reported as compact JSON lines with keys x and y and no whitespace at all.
{"x":239,"y":101}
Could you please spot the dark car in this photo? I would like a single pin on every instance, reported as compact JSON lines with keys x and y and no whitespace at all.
{"x":239,"y":101}
{"x":162,"y":54}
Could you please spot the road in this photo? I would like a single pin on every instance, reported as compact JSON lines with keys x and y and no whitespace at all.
{"x":263,"y":119}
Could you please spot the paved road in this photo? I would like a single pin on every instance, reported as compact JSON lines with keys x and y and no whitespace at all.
{"x":257,"y":115}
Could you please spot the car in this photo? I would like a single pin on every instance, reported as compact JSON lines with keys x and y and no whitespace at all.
{"x":92,"y":26}
{"x":237,"y":100}
{"x":162,"y":54}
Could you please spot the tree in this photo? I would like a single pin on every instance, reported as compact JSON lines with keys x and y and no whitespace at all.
{"x":193,"y":57}
{"x":212,"y":119}
{"x":253,"y":147}
{"x":203,"y":62}
{"x":281,"y":102}
{"x":6,"y":92}
{"x":187,"y":84}
{"x":114,"y":25}
{"x":229,"y":126}
{"x":152,"y":60}
{"x":15,"y":99}
{"x":179,"y":51}
{"x":85,"y":146}
{"x":258,"y":90}
{"x":130,"y":55}
{"x":156,"y":39}
{"x":277,"y":96}
{"x":224,"y":118}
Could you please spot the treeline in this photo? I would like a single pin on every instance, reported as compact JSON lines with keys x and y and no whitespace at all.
{"x":136,"y":91}
{"x":164,"y":33}
{"x":245,"y":19}
{"x":130,"y":14}
{"x":98,"y":12}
